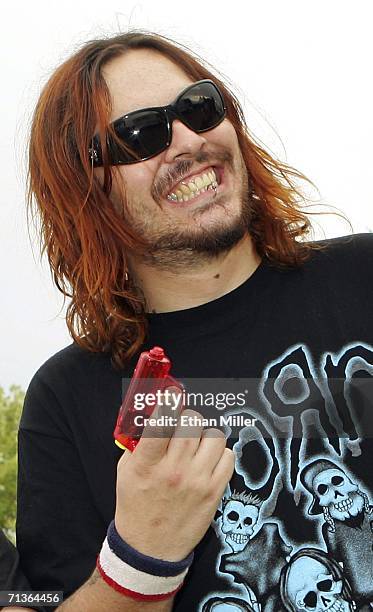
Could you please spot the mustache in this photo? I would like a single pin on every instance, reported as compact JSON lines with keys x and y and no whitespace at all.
{"x":183,"y":167}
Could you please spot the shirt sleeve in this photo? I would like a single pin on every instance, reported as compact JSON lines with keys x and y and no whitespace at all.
{"x":58,"y":526}
{"x":11,"y":577}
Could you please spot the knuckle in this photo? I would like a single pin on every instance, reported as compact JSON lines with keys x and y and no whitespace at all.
{"x":183,"y":443}
{"x":214,"y":432}
{"x":174,"y":479}
{"x":141,"y":470}
{"x":193,"y":414}
{"x":153,"y":431}
{"x":199,"y":485}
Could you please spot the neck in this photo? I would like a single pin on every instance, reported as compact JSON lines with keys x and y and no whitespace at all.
{"x":165,"y":291}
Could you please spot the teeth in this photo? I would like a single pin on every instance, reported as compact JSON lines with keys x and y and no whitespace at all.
{"x":343,"y":505}
{"x":239,"y":538}
{"x":198,"y":185}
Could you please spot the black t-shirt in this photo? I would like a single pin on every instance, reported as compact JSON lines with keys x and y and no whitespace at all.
{"x":302,"y":484}
{"x":11,"y":577}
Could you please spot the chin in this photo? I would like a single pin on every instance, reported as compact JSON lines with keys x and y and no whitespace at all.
{"x":219,"y":228}
{"x":210,"y":238}
{"x":355,"y":509}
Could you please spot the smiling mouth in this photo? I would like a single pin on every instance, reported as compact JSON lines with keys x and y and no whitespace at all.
{"x":239,"y":538}
{"x":344,"y":505}
{"x":337,"y":606}
{"x":189,"y":190}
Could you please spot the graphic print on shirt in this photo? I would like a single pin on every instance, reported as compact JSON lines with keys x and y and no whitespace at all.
{"x":307,"y":441}
{"x":312,"y":581}
{"x":258,"y":550}
{"x":347,"y":530}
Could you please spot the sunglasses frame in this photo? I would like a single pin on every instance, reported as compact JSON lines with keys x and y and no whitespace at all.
{"x":170,"y":112}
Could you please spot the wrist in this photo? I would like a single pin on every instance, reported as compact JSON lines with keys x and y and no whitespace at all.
{"x":137,"y":575}
{"x":164,"y":548}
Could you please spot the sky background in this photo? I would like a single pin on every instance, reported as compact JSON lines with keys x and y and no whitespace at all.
{"x":301,"y":68}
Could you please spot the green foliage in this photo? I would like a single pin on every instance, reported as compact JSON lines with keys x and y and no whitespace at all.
{"x":10,"y":413}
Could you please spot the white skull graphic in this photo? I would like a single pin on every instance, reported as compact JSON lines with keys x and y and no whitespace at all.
{"x":311,"y":588}
{"x":238,"y":523}
{"x":337,"y":493}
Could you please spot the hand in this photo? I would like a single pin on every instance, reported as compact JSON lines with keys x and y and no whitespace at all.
{"x":169,"y":488}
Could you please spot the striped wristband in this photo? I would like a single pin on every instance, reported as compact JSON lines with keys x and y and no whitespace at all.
{"x":136,"y":575}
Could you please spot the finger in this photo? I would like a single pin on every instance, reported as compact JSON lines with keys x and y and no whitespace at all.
{"x":174,"y":400}
{"x":186,"y":439}
{"x":211,"y":448}
{"x":159,"y":428}
{"x":167,"y":412}
{"x":223,"y":471}
{"x":125,"y":456}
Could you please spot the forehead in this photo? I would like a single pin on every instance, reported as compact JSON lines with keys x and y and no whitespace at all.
{"x":302,"y":571}
{"x":141,"y":78}
{"x":327,"y":475}
{"x":236,"y":504}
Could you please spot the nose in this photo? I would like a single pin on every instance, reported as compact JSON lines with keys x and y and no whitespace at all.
{"x":185,"y":142}
{"x":325,"y":601}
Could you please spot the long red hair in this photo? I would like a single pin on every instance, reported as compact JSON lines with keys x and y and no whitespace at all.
{"x":81,"y":232}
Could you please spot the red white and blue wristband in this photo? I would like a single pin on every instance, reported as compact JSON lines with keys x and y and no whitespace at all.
{"x":136,"y":575}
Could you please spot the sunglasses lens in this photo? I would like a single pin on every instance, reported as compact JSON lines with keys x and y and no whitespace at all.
{"x":142,"y":134}
{"x":201,"y":107}
{"x":145,"y":133}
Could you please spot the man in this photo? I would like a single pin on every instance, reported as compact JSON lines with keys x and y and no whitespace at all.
{"x":169,"y":226}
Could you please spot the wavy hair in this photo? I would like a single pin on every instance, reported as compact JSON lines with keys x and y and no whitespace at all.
{"x":85,"y":238}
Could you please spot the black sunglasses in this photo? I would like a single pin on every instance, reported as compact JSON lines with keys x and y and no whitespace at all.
{"x":146,"y":132}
